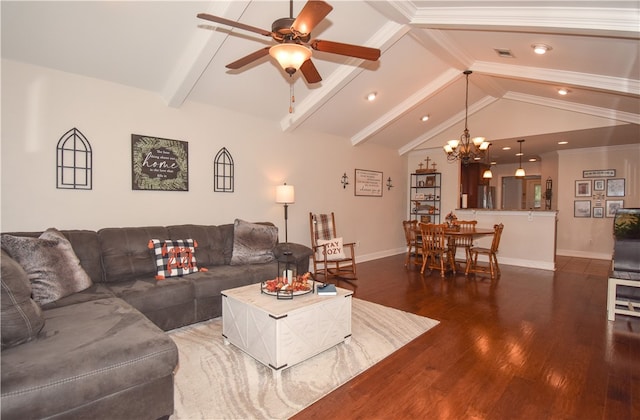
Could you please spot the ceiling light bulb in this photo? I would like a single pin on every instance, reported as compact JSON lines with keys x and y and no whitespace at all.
{"x":506,"y":148}
{"x":563,"y":142}
{"x":424,"y":118}
{"x":532,"y":159}
{"x":371,"y":96}
{"x":541,"y":48}
{"x":562,"y":91}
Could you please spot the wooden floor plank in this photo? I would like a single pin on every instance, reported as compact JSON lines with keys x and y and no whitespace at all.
{"x":535,"y":344}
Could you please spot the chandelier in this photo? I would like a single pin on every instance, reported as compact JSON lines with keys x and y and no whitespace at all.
{"x":466,"y":149}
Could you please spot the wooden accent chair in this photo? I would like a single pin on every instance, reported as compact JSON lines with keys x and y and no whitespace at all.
{"x":493,"y":269}
{"x":435,"y":249}
{"x":414,"y":243}
{"x":465,"y":242}
{"x":326,"y":261}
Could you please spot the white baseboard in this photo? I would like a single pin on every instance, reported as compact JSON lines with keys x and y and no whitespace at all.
{"x":584,"y":254}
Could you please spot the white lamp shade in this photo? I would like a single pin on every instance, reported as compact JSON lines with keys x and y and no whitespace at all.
{"x":290,"y":55}
{"x":487,"y":174}
{"x":285,"y":194}
{"x":477,"y":141}
{"x":453,"y":143}
{"x":520,"y":173}
{"x":448,"y":148}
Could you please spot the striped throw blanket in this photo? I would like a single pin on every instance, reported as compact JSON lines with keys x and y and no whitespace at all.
{"x":324,"y":226}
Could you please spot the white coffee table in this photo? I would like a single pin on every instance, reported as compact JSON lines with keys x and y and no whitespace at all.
{"x":280,"y":333}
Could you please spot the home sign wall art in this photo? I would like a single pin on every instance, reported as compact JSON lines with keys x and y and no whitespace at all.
{"x":159,"y":164}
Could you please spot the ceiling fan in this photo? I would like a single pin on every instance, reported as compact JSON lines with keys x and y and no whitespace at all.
{"x":293,"y":37}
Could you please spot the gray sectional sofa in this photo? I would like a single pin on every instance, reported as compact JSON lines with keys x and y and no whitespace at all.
{"x":101,"y":352}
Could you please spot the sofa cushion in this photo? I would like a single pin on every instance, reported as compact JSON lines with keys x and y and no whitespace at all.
{"x":52,"y":266}
{"x":253,"y":243}
{"x":85,"y":352}
{"x":210,"y":242}
{"x":125,"y":252}
{"x":21,"y":317}
{"x":175,"y":257}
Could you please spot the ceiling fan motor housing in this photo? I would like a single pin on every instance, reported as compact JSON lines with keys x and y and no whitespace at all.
{"x":281,"y":31}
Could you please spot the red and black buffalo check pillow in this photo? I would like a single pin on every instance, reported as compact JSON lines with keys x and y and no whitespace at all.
{"x":174,"y":257}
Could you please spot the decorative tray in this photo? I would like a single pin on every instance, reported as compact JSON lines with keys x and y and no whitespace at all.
{"x":281,"y":288}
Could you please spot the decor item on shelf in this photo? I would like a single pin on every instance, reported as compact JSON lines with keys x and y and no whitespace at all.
{"x":389,"y":184}
{"x":344,"y":180}
{"x":285,"y":194}
{"x":426,"y":169}
{"x":520,"y":172}
{"x":465,"y":149}
{"x":294,"y":43}
{"x":487,"y":174}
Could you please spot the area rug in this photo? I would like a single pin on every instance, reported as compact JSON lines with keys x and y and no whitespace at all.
{"x":217,"y":381}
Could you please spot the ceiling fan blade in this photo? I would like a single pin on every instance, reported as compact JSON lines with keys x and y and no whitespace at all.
{"x":248,"y":59}
{"x":233,"y":23}
{"x":310,"y":72}
{"x":311,"y":14}
{"x":357,"y":51}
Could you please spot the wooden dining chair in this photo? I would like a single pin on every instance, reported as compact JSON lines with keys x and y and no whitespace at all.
{"x":493,"y":268}
{"x":435,"y":251}
{"x":465,"y":242}
{"x":414,"y":244}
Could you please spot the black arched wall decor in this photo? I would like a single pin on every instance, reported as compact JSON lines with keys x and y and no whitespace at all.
{"x":223,"y":171}
{"x":74,"y":161}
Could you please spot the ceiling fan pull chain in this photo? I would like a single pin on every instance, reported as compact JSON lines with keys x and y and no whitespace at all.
{"x":292,"y":99}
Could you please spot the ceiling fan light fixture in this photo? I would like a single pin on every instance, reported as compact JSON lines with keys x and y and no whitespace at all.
{"x":290,"y":56}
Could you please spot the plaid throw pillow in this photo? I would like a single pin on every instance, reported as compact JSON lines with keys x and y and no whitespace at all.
{"x":174,"y":257}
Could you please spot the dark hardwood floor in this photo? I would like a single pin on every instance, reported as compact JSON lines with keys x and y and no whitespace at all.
{"x":535,"y":344}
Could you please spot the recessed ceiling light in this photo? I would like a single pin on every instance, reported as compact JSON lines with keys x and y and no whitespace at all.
{"x":506,"y":148}
{"x":541,"y":48}
{"x":371,"y":96}
{"x":519,"y":154}
{"x":563,"y":91}
{"x":494,"y":163}
{"x":563,"y":142}
{"x":424,"y":118}
{"x":532,"y":159}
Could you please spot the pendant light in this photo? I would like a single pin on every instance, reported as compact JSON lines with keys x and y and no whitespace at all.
{"x":466,"y":149}
{"x":520,"y":172}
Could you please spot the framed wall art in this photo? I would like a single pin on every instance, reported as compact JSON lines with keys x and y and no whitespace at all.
{"x":598,"y":212}
{"x":159,"y":164}
{"x":598,"y":185}
{"x":582,"y":208}
{"x":368,"y":183}
{"x":598,"y":173}
{"x":615,"y":187}
{"x":612,"y":206}
{"x":583,"y":188}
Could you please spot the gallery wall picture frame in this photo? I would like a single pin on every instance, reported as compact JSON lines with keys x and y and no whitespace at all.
{"x":598,"y":173}
{"x":598,"y":212}
{"x":582,"y":208}
{"x":615,"y":187}
{"x":159,"y":164}
{"x":583,"y":188}
{"x":368,"y":183}
{"x":598,"y":184}
{"x":612,"y":205}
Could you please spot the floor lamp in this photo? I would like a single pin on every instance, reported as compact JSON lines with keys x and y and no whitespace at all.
{"x":285,"y":195}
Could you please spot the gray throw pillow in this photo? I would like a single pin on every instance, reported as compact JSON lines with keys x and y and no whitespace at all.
{"x":52,"y":266}
{"x":21,"y":317}
{"x":253,"y":243}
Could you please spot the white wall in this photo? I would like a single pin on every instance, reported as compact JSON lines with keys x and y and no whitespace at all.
{"x":39,"y":105}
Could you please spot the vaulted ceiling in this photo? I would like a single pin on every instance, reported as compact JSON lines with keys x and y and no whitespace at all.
{"x":426,"y":45}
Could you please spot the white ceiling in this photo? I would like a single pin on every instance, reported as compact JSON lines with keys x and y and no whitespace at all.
{"x":426,"y":45}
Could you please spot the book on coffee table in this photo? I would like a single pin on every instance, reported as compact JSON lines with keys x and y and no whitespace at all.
{"x":327,"y":290}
